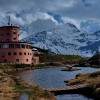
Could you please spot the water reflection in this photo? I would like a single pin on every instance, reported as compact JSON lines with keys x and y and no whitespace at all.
{"x":24,"y":97}
{"x":53,"y":77}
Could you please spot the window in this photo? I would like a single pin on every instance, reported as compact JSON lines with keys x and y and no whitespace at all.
{"x":11,"y":45}
{"x":23,"y":46}
{"x":0,"y":46}
{"x":27,"y":46}
{"x":1,"y":34}
{"x":14,"y":32}
{"x":20,"y":53}
{"x":3,"y":54}
{"x":5,"y":60}
{"x":14,"y":38}
{"x":17,"y":45}
{"x":15,"y":53}
{"x":17,"y":60}
{"x":8,"y":33}
{"x":26,"y":60}
{"x":9,"y":53}
{"x":5,"y":46}
{"x":24,"y":53}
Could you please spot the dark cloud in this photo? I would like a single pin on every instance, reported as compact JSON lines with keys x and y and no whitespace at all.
{"x":46,"y":5}
{"x":35,"y":9}
{"x":69,"y":8}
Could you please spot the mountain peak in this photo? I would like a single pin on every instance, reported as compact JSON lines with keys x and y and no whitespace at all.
{"x":61,"y":39}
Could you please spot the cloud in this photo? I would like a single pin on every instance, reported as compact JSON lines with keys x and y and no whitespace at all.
{"x":26,"y":5}
{"x":73,"y":21}
{"x":17,"y":20}
{"x":15,"y":5}
{"x":88,"y":3}
{"x":39,"y":15}
{"x":26,"y":18}
{"x":68,"y":8}
{"x":13,"y":18}
{"x":90,"y":25}
{"x":28,"y":11}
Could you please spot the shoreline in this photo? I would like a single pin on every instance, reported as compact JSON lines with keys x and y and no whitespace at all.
{"x":7,"y":87}
{"x":93,"y":79}
{"x":19,"y":84}
{"x":11,"y":87}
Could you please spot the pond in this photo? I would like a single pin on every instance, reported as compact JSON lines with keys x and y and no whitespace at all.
{"x":54,"y":77}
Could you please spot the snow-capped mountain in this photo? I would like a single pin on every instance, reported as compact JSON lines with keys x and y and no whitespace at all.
{"x":62,"y":39}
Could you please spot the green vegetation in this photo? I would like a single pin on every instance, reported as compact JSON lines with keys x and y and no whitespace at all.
{"x":44,"y":59}
{"x":11,"y":87}
{"x":7,"y":87}
{"x":50,"y":58}
{"x":33,"y":91}
{"x":20,"y":67}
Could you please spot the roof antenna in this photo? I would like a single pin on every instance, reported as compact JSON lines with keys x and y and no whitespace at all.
{"x":8,"y":18}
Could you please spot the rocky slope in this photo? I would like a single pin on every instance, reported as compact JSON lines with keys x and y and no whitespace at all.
{"x":61,"y":39}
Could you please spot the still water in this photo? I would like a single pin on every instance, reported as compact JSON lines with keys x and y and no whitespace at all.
{"x":53,"y":77}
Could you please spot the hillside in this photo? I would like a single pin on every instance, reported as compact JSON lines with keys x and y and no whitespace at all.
{"x":61,"y":39}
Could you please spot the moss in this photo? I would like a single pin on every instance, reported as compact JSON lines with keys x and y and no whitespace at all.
{"x":18,"y":86}
{"x":34,"y":91}
{"x":39,"y":93}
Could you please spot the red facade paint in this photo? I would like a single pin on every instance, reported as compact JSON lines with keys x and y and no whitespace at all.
{"x":9,"y":34}
{"x":12,"y":51}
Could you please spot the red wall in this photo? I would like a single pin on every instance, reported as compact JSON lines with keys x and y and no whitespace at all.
{"x":9,"y":33}
{"x":12,"y":58}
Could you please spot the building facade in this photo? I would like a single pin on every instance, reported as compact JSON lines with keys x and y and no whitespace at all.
{"x":13,"y":51}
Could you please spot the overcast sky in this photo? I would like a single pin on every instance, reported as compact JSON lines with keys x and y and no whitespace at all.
{"x":28,"y":11}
